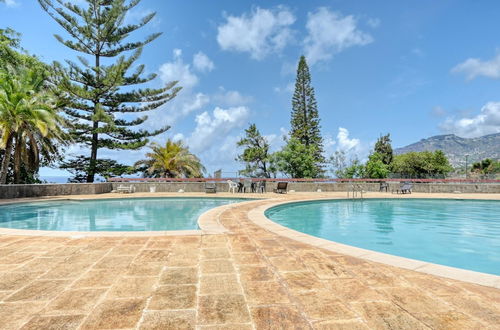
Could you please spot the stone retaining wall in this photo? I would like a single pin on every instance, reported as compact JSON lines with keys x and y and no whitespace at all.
{"x":38,"y":190}
{"x":324,"y":186}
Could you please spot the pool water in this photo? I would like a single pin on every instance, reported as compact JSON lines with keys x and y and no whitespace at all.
{"x":123,"y":214}
{"x":457,"y":233}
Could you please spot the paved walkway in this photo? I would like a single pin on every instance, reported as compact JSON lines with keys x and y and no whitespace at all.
{"x":247,"y":279}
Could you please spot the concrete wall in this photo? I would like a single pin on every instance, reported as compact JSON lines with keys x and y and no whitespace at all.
{"x":38,"y":190}
{"x":324,"y":186}
{"x":17,"y":191}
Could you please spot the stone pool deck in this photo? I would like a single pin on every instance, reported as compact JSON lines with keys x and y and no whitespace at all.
{"x":248,"y":277}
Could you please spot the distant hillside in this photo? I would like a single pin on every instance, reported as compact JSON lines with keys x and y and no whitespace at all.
{"x":456,"y":148}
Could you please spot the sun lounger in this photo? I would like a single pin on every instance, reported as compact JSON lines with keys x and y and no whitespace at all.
{"x":405,"y":188}
{"x":210,"y":187}
{"x":281,"y":188}
{"x":125,"y":189}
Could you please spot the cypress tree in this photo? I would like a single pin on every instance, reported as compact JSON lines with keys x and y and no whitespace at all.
{"x":97,"y":91}
{"x":305,"y":125}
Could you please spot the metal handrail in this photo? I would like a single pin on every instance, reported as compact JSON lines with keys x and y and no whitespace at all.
{"x":355,"y":189}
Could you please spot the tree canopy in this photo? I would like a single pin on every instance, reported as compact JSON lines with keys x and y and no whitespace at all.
{"x":101,"y":94}
{"x":421,"y":164}
{"x":255,"y":155}
{"x":31,"y":128}
{"x":297,"y":160}
{"x":173,"y":160}
{"x":384,"y":148}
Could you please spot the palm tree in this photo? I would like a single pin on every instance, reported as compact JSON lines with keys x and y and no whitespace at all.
{"x":170,"y":161}
{"x":29,"y":121}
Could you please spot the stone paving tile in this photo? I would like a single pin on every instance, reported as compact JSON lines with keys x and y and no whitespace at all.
{"x":66,"y":322}
{"x":217,"y":266}
{"x":221,"y":309}
{"x":39,"y":291}
{"x":340,"y":325}
{"x":387,"y":315}
{"x":80,"y":301}
{"x":14,"y":281}
{"x":115,"y":314}
{"x":144,"y":269}
{"x":278,"y":317}
{"x":173,"y":297}
{"x":226,"y":327}
{"x":97,"y":278}
{"x":132,"y":287}
{"x":169,"y":320}
{"x":219,"y":284}
{"x":248,"y":278}
{"x":322,"y":305}
{"x":265,"y":293}
{"x":187,"y":275}
{"x":255,"y":273}
{"x":14,"y":315}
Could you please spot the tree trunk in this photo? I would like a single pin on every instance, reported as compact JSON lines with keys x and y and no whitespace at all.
{"x":306,"y":124}
{"x":17,"y":159}
{"x":93,"y":155}
{"x":95,"y":135}
{"x":6,"y":161}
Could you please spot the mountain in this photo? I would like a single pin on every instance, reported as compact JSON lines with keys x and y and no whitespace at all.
{"x":456,"y":147}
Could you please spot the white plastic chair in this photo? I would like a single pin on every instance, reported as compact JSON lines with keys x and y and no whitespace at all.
{"x":232,"y":186}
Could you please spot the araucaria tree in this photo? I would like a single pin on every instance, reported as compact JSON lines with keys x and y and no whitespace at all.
{"x":305,"y":123}
{"x":384,"y":148}
{"x":255,"y":155}
{"x":100,"y":88}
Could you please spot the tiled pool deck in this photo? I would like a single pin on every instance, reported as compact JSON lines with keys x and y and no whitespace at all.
{"x":246,"y":278}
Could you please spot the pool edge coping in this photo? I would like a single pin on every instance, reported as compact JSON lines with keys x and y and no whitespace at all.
{"x":208,"y":221}
{"x":257,"y":216}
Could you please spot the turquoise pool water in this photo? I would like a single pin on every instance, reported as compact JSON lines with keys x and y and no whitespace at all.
{"x":123,"y":214}
{"x":457,"y":233}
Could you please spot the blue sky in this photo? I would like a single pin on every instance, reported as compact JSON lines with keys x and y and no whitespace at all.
{"x":410,"y":68}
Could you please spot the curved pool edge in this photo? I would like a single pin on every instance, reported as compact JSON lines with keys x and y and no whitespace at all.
{"x":257,"y":216}
{"x":208,"y":221}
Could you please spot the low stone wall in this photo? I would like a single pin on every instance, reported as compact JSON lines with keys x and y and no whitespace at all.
{"x":312,"y":186}
{"x":39,"y":190}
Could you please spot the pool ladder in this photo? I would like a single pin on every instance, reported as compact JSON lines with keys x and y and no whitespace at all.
{"x":356,"y":190}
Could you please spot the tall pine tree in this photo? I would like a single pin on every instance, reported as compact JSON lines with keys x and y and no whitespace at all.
{"x":305,"y":125}
{"x":100,"y":88}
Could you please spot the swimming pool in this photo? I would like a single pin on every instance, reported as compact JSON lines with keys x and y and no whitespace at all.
{"x":120,"y":214}
{"x":457,"y":233}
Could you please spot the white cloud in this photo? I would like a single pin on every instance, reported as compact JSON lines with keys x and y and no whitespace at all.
{"x":202,"y":63}
{"x":11,"y":3}
{"x":345,"y":143}
{"x":474,"y":67}
{"x":486,"y":122}
{"x":212,"y":128}
{"x":186,"y":105}
{"x":187,"y":101}
{"x":289,"y":88}
{"x":373,"y":22}
{"x":330,"y":33}
{"x":177,"y":70}
{"x":259,"y":33}
{"x":178,"y":137}
{"x":134,"y":16}
{"x":230,"y":98}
